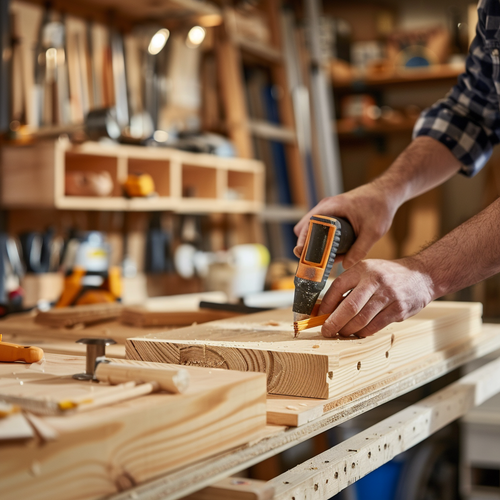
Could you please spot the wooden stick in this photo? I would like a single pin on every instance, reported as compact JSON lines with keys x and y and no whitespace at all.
{"x":332,"y":471}
{"x":311,"y":322}
{"x":168,"y":379}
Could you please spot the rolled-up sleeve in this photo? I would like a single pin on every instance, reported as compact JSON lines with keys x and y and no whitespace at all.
{"x":467,"y":120}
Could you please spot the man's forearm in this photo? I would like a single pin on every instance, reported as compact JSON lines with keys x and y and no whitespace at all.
{"x":423,"y":165}
{"x":466,"y":255}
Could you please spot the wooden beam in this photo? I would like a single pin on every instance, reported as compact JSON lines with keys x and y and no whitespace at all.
{"x":332,"y":471}
{"x":294,"y":411}
{"x":335,"y":367}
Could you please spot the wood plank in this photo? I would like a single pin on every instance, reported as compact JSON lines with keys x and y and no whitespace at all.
{"x":23,"y":325}
{"x":332,"y":471}
{"x":295,"y":411}
{"x":335,"y":367}
{"x":69,"y":317}
{"x":107,"y":450}
{"x":140,"y":316}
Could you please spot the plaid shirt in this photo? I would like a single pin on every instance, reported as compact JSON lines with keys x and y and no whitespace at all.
{"x":467,"y":120}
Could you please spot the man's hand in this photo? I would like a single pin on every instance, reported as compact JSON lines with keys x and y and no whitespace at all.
{"x":369,"y":209}
{"x":382,"y":292}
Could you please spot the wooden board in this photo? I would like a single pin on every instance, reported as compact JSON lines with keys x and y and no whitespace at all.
{"x":296,"y":411}
{"x":140,"y":316}
{"x":107,"y":450}
{"x":311,"y":365}
{"x":69,"y":317}
{"x":24,"y":325}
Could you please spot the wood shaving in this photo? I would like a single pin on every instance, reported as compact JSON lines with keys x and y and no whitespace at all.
{"x":315,"y":346}
{"x":272,"y":323}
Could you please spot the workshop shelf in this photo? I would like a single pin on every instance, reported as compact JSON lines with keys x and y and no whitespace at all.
{"x":34,"y":177}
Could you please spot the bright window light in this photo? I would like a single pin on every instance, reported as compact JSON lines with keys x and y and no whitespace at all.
{"x":158,"y":41}
{"x":195,"y":36}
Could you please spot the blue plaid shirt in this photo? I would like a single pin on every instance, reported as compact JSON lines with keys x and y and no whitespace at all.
{"x":467,"y":120}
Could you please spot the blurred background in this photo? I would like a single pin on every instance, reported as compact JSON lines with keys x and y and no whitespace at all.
{"x":177,"y":142}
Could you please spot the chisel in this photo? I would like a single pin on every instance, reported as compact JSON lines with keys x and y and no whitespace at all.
{"x":326,"y":238}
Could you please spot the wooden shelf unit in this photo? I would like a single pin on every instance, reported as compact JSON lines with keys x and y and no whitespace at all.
{"x":126,"y":13}
{"x":434,"y":73}
{"x":33,"y":177}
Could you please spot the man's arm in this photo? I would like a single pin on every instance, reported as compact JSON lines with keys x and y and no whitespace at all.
{"x":424,"y":164}
{"x":388,"y":291}
{"x":466,"y":124}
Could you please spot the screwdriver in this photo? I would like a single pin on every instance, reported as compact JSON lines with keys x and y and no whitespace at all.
{"x":326,"y":238}
{"x":14,"y":352}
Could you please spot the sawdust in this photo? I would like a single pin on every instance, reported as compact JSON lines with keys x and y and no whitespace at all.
{"x":271,"y":323}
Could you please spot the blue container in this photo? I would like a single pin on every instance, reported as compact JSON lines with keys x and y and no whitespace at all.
{"x":380,"y":484}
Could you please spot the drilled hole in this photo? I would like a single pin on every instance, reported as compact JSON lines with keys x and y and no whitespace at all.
{"x":345,"y":470}
{"x":359,"y":365}
{"x":316,"y":487}
{"x":385,"y":446}
{"x":330,"y":375}
{"x":369,"y":454}
{"x":386,"y":354}
{"x":336,"y":475}
{"x":400,"y":437}
{"x":326,"y":461}
{"x":353,"y":465}
{"x":392,"y":339}
{"x":326,"y":482}
{"x":286,"y":482}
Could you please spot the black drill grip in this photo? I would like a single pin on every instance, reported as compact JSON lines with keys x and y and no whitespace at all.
{"x":347,"y":236}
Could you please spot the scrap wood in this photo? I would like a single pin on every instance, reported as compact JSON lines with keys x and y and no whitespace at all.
{"x":140,"y":316}
{"x":68,"y":317}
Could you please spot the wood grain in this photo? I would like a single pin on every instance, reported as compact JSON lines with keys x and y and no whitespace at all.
{"x":140,"y":316}
{"x":296,"y":411}
{"x":110,"y":449}
{"x":68,"y":317}
{"x":335,"y":367}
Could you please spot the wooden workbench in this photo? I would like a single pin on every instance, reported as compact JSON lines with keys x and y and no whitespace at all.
{"x":340,"y":466}
{"x":345,"y":463}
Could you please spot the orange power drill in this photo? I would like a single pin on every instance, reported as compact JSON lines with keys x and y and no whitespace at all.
{"x":326,"y":237}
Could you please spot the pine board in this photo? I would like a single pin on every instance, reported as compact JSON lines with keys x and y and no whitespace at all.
{"x":311,"y":366}
{"x":24,"y":324}
{"x":102,"y":452}
{"x":295,"y":411}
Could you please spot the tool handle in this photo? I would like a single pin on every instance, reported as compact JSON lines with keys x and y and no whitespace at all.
{"x":13,"y":352}
{"x":169,"y":379}
{"x":347,"y":236}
